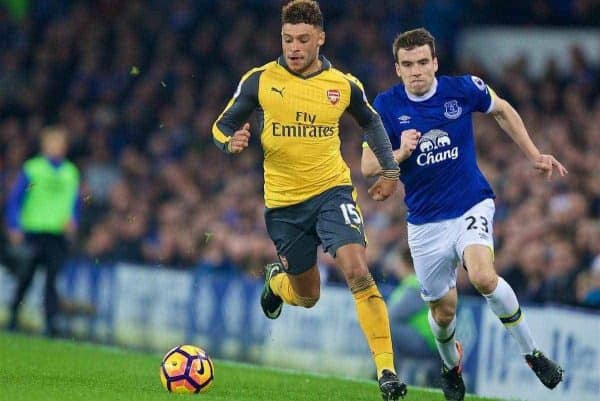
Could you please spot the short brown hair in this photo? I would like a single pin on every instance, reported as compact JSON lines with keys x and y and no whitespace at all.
{"x":53,"y":131}
{"x":410,"y":39}
{"x":302,"y":11}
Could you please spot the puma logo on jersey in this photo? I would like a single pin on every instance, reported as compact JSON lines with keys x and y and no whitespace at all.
{"x":280,"y":91}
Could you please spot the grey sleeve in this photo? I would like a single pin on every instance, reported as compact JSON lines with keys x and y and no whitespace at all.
{"x":380,"y":144}
{"x":243,"y":103}
{"x":374,"y":131}
{"x":410,"y":303}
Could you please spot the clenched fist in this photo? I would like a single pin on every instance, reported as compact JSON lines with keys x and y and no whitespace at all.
{"x":383,"y":188}
{"x":409,"y":140}
{"x":239,"y":139}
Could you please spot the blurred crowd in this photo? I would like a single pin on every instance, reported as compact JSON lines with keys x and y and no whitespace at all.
{"x":138,"y":84}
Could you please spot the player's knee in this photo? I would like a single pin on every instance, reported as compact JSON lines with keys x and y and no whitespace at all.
{"x":356,"y":272}
{"x":309,"y":297}
{"x":443,"y":314}
{"x":308,"y":302}
{"x":484,"y":281}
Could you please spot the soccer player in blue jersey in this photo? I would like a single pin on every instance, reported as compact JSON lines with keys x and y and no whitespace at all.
{"x":450,"y":203}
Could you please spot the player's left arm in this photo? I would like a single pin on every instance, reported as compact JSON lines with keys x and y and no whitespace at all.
{"x":377,"y":139}
{"x":77,"y":206}
{"x":511,"y":122}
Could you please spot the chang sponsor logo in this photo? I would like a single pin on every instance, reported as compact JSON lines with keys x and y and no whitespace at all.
{"x":435,"y":148}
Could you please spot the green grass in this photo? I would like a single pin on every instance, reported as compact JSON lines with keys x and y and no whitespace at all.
{"x":34,"y":368}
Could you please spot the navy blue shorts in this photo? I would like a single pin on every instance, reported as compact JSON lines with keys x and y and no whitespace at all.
{"x":331,"y":218}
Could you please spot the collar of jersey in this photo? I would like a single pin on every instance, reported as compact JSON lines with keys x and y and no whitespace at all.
{"x":427,"y":95}
{"x":325,"y":65}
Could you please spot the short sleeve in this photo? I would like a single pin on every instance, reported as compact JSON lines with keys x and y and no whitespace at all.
{"x":479,"y":94}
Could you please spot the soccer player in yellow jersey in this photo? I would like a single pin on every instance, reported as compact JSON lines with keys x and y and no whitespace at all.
{"x":309,"y":196}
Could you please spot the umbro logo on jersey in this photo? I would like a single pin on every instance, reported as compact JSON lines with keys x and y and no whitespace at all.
{"x":280,"y":91}
{"x":404,"y":119}
{"x":333,"y":95}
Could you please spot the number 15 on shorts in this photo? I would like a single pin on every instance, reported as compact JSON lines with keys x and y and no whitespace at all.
{"x":351,"y":215}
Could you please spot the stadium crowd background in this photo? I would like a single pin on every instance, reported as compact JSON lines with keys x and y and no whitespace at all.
{"x":139,"y":84}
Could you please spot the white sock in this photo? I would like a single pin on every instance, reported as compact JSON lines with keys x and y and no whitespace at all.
{"x":445,"y":341}
{"x":505,"y":305}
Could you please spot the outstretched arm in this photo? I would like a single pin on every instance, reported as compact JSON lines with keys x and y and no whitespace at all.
{"x":510,"y":121}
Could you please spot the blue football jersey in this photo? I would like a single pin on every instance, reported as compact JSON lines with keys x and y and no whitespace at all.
{"x":441,"y":177}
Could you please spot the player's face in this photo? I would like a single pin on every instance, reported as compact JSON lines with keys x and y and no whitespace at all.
{"x":301,"y":43}
{"x":54,"y":146}
{"x":416,"y":67}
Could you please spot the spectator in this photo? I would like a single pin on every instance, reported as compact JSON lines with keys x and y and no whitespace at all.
{"x":139,"y":93}
{"x":41,"y":215}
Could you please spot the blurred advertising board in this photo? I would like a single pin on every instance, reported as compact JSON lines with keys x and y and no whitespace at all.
{"x":154,"y":308}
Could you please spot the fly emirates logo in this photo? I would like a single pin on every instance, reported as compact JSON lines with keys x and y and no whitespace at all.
{"x":435,"y":147}
{"x":305,"y":127}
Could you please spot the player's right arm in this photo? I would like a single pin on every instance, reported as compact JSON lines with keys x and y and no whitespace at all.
{"x":14,"y":204}
{"x":226,"y":131}
{"x":377,"y":139}
{"x":409,"y":139}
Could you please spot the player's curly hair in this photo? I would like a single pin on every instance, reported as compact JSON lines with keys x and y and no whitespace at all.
{"x":302,"y":11}
{"x":410,"y":39}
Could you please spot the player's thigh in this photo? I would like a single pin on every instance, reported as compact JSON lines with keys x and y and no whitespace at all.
{"x":352,"y":261}
{"x":475,"y":243}
{"x":292,"y":230}
{"x":434,"y":259}
{"x":55,"y":251}
{"x":339,"y":220}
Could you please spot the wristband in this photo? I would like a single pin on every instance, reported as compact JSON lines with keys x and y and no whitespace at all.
{"x":391,"y":174}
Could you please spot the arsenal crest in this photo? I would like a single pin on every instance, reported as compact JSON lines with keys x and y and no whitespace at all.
{"x":333,"y":95}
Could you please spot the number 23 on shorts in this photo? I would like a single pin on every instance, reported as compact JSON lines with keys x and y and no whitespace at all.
{"x":478,"y":223}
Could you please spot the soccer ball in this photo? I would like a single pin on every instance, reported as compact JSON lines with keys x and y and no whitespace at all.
{"x":187,"y":369}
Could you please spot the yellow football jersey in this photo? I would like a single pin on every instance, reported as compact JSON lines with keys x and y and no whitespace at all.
{"x":300,"y":127}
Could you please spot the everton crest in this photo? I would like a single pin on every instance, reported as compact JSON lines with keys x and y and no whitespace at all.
{"x":452,"y":109}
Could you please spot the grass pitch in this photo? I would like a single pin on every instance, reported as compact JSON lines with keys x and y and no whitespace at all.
{"x":35,"y":368}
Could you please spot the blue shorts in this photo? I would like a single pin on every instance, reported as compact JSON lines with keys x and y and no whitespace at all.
{"x":331,"y":218}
